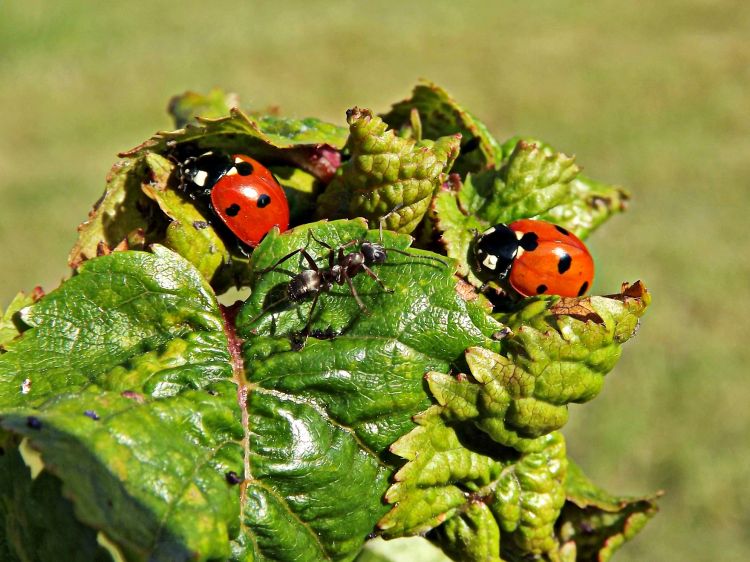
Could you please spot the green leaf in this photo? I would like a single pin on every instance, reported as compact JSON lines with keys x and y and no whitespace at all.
{"x":475,"y":496}
{"x":131,"y":403}
{"x":162,"y":215}
{"x":188,"y":107}
{"x":594,"y":523}
{"x":387,"y":173}
{"x":354,"y":385}
{"x":9,"y":326}
{"x":301,"y":190}
{"x":529,"y":497}
{"x":122,"y":214}
{"x":533,"y":182}
{"x":472,"y":535}
{"x":558,"y":351}
{"x":440,"y":115}
{"x":38,"y":522}
{"x":310,"y":144}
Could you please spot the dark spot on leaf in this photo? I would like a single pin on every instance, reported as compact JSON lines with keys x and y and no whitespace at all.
{"x":541,"y":289}
{"x":564,"y":264}
{"x":501,"y":334}
{"x":33,"y":423}
{"x":471,"y":145}
{"x":264,"y":200}
{"x":232,"y":210}
{"x":529,"y":241}
{"x":91,"y":414}
{"x":2,"y":451}
{"x":562,"y":231}
{"x":244,"y":168}
{"x":583,"y":288}
{"x":233,"y":478}
{"x":200,"y":225}
{"x":328,"y":334}
{"x":109,"y":503}
{"x":586,"y":528}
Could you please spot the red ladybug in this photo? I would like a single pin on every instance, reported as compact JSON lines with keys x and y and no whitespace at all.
{"x":242,"y":193}
{"x":536,"y":257}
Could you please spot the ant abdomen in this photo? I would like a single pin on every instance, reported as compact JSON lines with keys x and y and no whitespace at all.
{"x":305,"y":283}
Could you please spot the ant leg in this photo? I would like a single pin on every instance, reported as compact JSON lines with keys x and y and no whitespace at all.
{"x":373,"y":275}
{"x":282,"y":260}
{"x":306,"y":330}
{"x":362,"y":306}
{"x":269,"y":307}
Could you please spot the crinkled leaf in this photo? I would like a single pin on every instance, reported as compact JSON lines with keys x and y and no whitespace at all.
{"x":150,"y":205}
{"x":440,"y":472}
{"x":594,"y":523}
{"x":528,"y":499}
{"x":440,"y":115}
{"x":387,"y":172}
{"x":122,"y":213}
{"x":309,"y":143}
{"x":188,"y":107}
{"x":471,"y":536}
{"x":339,"y":402}
{"x":473,"y":495}
{"x":124,"y":384}
{"x":533,"y":182}
{"x":528,"y":184}
{"x":557,"y":352}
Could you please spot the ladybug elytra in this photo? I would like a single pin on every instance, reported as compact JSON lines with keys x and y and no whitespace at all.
{"x":240,"y":191}
{"x":536,"y":257}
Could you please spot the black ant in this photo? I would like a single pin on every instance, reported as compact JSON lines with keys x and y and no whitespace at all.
{"x":342,"y":267}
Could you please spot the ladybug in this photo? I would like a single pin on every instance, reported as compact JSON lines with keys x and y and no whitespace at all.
{"x":240,"y":191}
{"x":537,"y":257}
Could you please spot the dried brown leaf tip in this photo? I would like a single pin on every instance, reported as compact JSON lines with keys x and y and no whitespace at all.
{"x":578,"y":308}
{"x":635,"y":291}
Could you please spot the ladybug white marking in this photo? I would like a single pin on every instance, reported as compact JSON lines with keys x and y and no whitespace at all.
{"x":200,"y":178}
{"x":490,"y":262}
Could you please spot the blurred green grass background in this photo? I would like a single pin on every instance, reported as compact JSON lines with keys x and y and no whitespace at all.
{"x":652,"y":96}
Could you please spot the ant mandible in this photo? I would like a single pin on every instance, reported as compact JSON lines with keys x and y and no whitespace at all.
{"x":342,"y":267}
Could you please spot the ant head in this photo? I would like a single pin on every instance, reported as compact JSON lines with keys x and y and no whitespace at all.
{"x":374,"y":253}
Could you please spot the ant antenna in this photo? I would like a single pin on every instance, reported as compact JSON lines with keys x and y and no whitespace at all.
{"x":380,"y":229}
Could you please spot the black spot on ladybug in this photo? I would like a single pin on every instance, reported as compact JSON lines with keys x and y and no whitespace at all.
{"x":562,"y":231}
{"x":33,"y":423}
{"x":200,"y":225}
{"x":563,"y":264}
{"x":583,"y":288}
{"x":264,"y":200}
{"x":244,"y":168}
{"x":233,"y":478}
{"x":232,"y":210}
{"x":529,"y":241}
{"x":541,"y":289}
{"x":91,"y":414}
{"x":471,"y":145}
